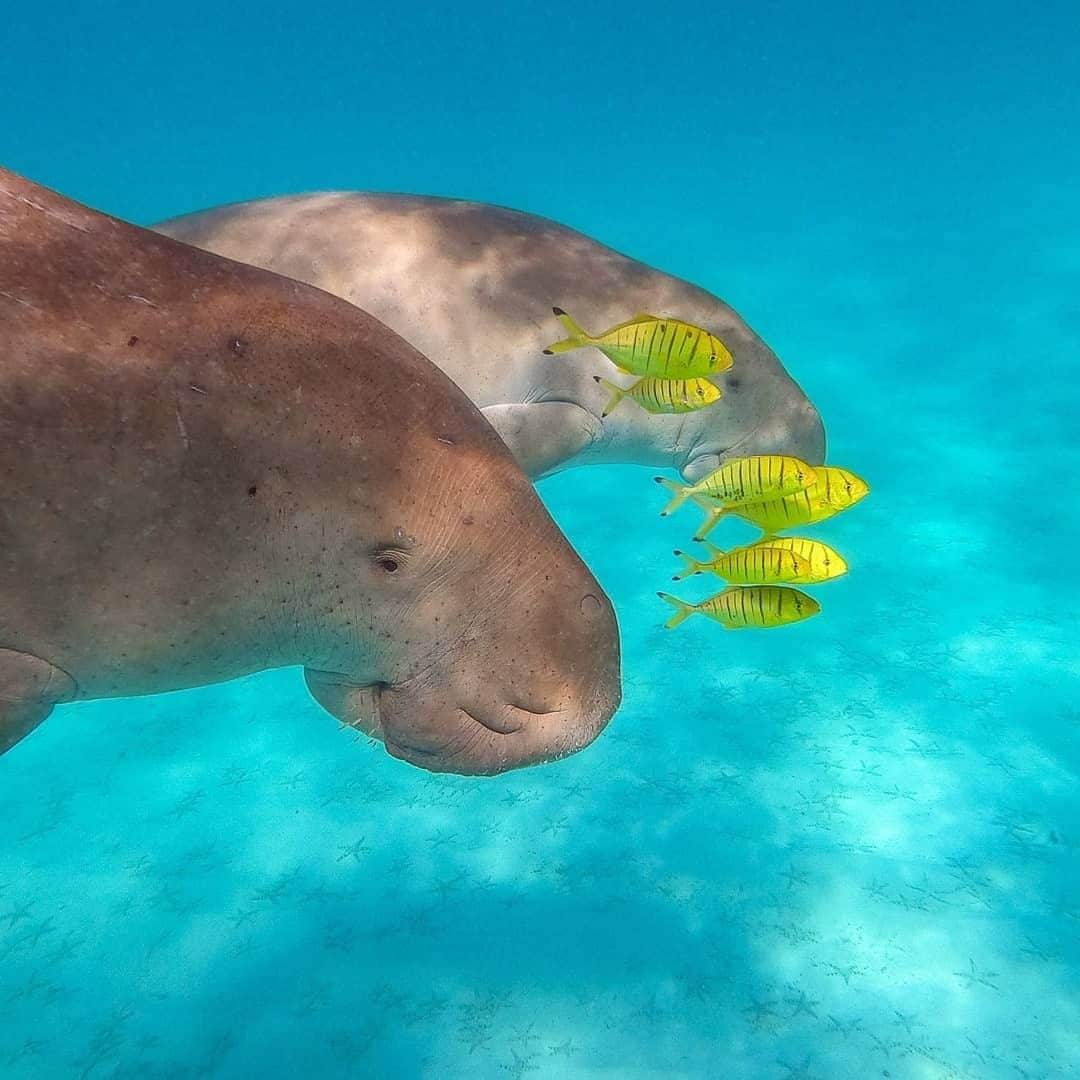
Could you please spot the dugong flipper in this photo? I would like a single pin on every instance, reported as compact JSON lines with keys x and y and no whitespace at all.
{"x":472,"y":286}
{"x":545,"y":436}
{"x":207,"y":470}
{"x":29,"y":688}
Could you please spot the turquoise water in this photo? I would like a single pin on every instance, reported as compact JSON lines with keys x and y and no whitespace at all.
{"x":846,"y":849}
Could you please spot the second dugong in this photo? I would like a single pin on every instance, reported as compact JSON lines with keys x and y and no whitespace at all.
{"x":472,"y":286}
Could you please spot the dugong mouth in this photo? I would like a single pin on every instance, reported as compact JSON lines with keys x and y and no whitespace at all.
{"x":426,"y":730}
{"x":475,"y":744}
{"x":700,"y":467}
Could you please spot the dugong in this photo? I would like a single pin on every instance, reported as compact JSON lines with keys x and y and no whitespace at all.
{"x":209,"y":470}
{"x":472,"y":286}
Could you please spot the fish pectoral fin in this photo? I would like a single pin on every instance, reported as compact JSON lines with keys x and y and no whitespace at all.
{"x":802,"y":565}
{"x":544,"y":436}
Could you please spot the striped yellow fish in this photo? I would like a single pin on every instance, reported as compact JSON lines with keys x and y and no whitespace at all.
{"x":756,"y":564}
{"x":825,"y":562}
{"x":662,"y":395}
{"x":833,"y":490}
{"x":651,"y":345}
{"x":747,"y":607}
{"x":742,"y":480}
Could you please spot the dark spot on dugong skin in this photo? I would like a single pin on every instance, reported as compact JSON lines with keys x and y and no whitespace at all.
{"x":133,"y":340}
{"x":253,"y":489}
{"x":732,"y":382}
{"x":238,"y":345}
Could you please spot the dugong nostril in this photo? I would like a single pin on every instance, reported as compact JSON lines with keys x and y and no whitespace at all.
{"x":590,"y":605}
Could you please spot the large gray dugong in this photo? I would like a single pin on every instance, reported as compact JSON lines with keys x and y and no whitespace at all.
{"x":472,"y":287}
{"x":207,"y":470}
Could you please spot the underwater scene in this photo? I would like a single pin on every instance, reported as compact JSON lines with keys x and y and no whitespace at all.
{"x":755,"y":749}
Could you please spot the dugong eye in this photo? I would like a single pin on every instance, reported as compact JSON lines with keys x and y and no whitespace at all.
{"x":389,"y":560}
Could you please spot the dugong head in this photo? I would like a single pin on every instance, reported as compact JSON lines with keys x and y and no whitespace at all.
{"x":483,"y":642}
{"x":762,"y":411}
{"x":782,"y":420}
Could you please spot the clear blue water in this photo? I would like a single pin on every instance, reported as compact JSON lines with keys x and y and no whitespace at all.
{"x":847,"y":849}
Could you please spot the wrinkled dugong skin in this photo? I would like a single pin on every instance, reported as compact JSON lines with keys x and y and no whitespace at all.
{"x":472,"y":286}
{"x":209,"y":470}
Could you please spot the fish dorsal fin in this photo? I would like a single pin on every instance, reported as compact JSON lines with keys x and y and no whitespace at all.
{"x":634,"y":321}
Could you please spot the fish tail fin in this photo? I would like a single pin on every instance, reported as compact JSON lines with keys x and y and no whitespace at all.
{"x":692,"y":566}
{"x":683,"y":610}
{"x":577,"y":337}
{"x":682,"y":493}
{"x":712,"y":515}
{"x":617,"y":394}
{"x":570,"y":323}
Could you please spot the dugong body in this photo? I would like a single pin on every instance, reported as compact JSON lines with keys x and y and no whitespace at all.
{"x":472,"y":286}
{"x":207,"y":470}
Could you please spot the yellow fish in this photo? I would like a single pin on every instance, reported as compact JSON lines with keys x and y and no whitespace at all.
{"x":662,"y":395}
{"x":651,"y":345}
{"x":756,"y":564}
{"x":825,"y":562}
{"x":744,"y":607}
{"x":833,"y":490}
{"x":741,"y":480}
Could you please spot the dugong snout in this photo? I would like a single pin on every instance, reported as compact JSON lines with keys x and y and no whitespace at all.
{"x":547,"y":693}
{"x":792,"y":426}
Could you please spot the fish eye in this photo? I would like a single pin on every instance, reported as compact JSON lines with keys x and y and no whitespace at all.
{"x":847,"y":486}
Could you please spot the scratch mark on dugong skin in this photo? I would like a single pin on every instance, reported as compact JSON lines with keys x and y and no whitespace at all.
{"x":181,"y":425}
{"x":16,"y":299}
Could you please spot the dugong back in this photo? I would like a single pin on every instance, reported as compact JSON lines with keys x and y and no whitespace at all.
{"x":473,"y":286}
